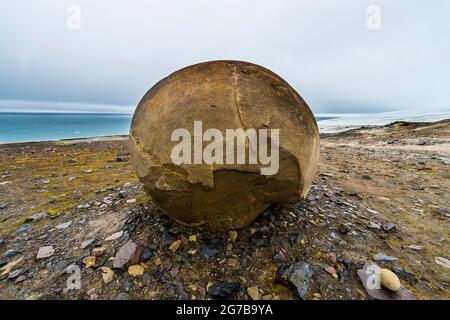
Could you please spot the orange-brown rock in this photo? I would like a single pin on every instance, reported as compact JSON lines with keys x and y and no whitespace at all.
{"x":223,"y":95}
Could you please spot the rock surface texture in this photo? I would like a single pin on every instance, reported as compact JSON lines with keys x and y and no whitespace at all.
{"x":223,"y":95}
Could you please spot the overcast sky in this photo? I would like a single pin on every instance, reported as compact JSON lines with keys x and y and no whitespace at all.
{"x":323,"y":48}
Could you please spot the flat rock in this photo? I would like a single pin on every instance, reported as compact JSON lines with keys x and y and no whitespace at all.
{"x":115,"y":236}
{"x":384,"y":257}
{"x":64,"y":225}
{"x":45,"y":252}
{"x":129,"y":253}
{"x":299,"y":274}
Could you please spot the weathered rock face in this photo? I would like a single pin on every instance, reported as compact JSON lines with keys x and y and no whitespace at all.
{"x":222,"y":95}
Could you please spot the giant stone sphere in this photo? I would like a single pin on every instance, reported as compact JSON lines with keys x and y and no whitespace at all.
{"x":222,"y":95}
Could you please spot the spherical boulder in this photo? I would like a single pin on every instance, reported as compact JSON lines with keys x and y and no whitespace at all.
{"x":214,"y":144}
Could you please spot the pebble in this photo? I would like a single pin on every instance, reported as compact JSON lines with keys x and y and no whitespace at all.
{"x":37,"y":216}
{"x":125,"y":254}
{"x":331,"y":258}
{"x":384,"y":257}
{"x":98,"y":252}
{"x":442,"y":262}
{"x":146,"y":254}
{"x":415,"y":247}
{"x":331,"y":271}
{"x":233,"y":235}
{"x":300,"y":274}
{"x":389,"y":227}
{"x":86,"y":243}
{"x":15,"y":274}
{"x":11,"y":253}
{"x":114,"y":236}
{"x":253,"y":292}
{"x":136,"y":270}
{"x":24,"y":228}
{"x":64,"y":225}
{"x":223,"y":289}
{"x":123,"y":296}
{"x":389,"y":280}
{"x":131,"y":200}
{"x":89,"y":261}
{"x":45,"y":252}
{"x":175,"y":245}
{"x":343,"y":229}
{"x":107,"y":274}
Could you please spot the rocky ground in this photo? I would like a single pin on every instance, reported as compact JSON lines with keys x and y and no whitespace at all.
{"x":382,"y":195}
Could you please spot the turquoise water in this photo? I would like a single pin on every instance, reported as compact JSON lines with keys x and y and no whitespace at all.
{"x":24,"y":127}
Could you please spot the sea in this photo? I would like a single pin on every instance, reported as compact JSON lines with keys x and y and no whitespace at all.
{"x":42,"y":126}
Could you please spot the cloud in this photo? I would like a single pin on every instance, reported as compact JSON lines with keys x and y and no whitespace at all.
{"x":322,"y":48}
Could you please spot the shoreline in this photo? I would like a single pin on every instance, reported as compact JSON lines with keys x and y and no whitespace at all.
{"x":332,"y":130}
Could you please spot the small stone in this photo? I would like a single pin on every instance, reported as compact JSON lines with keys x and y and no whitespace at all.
{"x":89,"y":261}
{"x":86,"y":243}
{"x":63,"y":226}
{"x":299,"y":274}
{"x":37,"y":216}
{"x":157,"y":262}
{"x":389,"y":280}
{"x":24,"y":228}
{"x":208,"y":251}
{"x":343,"y":229}
{"x":107,"y":275}
{"x":331,"y":271}
{"x":233,"y":263}
{"x":374,"y":226}
{"x":123,"y":296}
{"x":45,"y":252}
{"x":193,"y":238}
{"x":415,"y":247}
{"x":126,"y":254}
{"x":11,"y":253}
{"x":175,"y":245}
{"x":233,"y":235}
{"x":20,"y":279}
{"x":442,"y":262}
{"x":146,"y":254}
{"x":135,"y":270}
{"x":9,"y":266}
{"x":223,"y":289}
{"x":331,"y":258}
{"x":366,"y":177}
{"x":253,"y":292}
{"x":389,"y":227}
{"x":131,"y":200}
{"x":98,"y":252}
{"x":384,"y":257}
{"x":114,"y":236}
{"x":15,"y":274}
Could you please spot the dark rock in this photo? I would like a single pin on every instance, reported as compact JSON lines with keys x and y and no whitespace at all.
{"x":405,"y":274}
{"x":208,"y":251}
{"x":146,"y":254}
{"x":343,"y":229}
{"x":15,"y":274}
{"x":389,"y":227}
{"x":37,"y":216}
{"x":223,"y":289}
{"x":24,"y":228}
{"x":11,"y":253}
{"x":279,"y":257}
{"x":299,"y":274}
{"x":366,"y":177}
